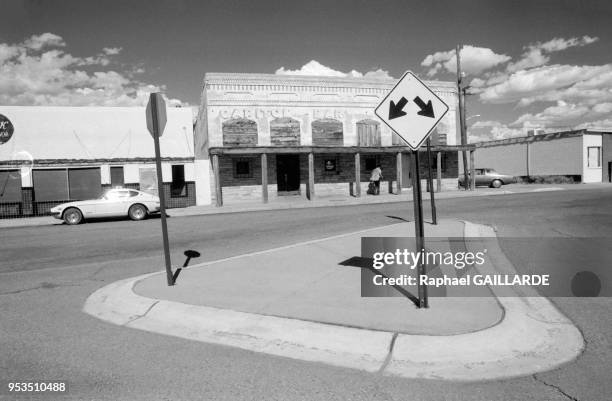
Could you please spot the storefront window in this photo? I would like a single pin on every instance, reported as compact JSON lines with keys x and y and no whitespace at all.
{"x":243,"y":168}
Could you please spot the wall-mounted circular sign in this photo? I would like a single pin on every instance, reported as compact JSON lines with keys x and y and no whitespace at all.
{"x":330,"y":164}
{"x":6,"y":129}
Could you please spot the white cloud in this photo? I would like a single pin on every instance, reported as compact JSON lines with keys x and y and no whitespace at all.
{"x":557,"y":95}
{"x":379,"y":73}
{"x":482,"y":131}
{"x":39,"y":72}
{"x":558,"y":44}
{"x":601,"y":125}
{"x":548,"y":83}
{"x":565,"y":114}
{"x":474,"y":60}
{"x":562,"y":113}
{"x":112,"y":51}
{"x":535,"y":56}
{"x":37,"y":42}
{"x":314,"y":68}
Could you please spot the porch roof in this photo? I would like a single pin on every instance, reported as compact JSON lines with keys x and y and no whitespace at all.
{"x":242,"y":150}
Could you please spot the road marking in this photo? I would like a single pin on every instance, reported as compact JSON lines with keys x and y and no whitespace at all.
{"x":548,"y":189}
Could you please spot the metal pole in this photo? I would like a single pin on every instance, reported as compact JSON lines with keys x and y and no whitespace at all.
{"x":434,"y":217}
{"x":418,"y":226}
{"x":462,"y":125}
{"x":472,"y":172}
{"x":160,"y":190}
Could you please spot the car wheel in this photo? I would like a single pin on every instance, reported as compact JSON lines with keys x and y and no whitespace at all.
{"x":137,"y":212}
{"x":73,"y":216}
{"x":496,"y":184}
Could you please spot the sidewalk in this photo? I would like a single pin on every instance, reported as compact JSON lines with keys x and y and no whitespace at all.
{"x":312,"y":281}
{"x":296,"y":202}
{"x":303,"y":302}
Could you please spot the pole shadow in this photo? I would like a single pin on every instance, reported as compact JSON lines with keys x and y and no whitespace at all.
{"x":366,"y":263}
{"x":190,"y":254}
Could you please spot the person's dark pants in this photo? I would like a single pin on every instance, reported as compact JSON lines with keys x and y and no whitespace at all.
{"x":377,"y":184}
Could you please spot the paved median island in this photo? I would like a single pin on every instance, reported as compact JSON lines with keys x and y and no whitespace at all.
{"x":303,"y":301}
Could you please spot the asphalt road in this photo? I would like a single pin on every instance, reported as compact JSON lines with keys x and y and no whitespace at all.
{"x":46,"y":273}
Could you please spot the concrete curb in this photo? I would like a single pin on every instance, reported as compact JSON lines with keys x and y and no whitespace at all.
{"x":532,"y":337}
{"x":336,"y":345}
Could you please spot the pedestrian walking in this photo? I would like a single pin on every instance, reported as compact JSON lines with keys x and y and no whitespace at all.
{"x":375,"y":178}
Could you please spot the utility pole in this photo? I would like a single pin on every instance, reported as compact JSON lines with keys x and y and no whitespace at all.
{"x":462,"y":124}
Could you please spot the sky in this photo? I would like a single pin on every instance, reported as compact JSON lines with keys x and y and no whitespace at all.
{"x":543,"y":64}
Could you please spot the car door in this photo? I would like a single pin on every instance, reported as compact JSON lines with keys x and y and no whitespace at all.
{"x":91,"y":208}
{"x":481,"y":178}
{"x":115,"y":203}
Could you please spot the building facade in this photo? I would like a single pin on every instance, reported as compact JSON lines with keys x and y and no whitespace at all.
{"x":261,"y":136}
{"x":584,"y":155}
{"x":60,"y":154}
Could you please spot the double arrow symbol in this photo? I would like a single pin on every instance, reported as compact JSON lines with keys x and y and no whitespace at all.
{"x":396,"y":110}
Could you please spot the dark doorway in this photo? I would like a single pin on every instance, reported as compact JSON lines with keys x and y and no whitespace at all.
{"x":288,"y":174}
{"x":609,"y":171}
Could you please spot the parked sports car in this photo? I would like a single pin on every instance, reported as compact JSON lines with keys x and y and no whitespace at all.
{"x":114,"y":202}
{"x":490,"y":178}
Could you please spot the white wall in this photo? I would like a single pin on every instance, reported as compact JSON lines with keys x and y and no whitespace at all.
{"x":105,"y":176}
{"x":591,"y":174}
{"x":203,"y":182}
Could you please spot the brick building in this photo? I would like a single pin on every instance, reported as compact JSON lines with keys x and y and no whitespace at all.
{"x":60,"y":154}
{"x":261,"y":136}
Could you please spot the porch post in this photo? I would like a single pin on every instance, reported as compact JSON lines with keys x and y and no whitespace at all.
{"x":439,"y":172}
{"x":472,"y":171}
{"x":311,"y":188}
{"x":357,"y":175}
{"x":264,"y":177}
{"x":398,"y":174}
{"x":218,"y":190}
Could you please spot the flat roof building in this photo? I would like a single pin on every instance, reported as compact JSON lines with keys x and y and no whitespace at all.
{"x":260,"y":136}
{"x":584,"y":155}
{"x":59,"y":154}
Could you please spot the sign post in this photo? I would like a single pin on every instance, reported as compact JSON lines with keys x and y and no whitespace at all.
{"x":412,"y":110}
{"x":434,"y":217}
{"x":156,"y":122}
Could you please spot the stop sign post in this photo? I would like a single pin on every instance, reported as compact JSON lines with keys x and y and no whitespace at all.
{"x":156,"y":122}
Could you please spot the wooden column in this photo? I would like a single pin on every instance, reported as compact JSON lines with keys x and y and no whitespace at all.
{"x":218,"y":190}
{"x":439,"y":172}
{"x":472,"y":172}
{"x":311,"y":176}
{"x":264,"y":177}
{"x":357,"y":175}
{"x":398,"y":168}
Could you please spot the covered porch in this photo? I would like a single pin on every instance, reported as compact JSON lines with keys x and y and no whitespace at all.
{"x":308,"y":170}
